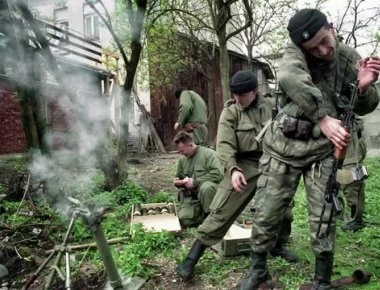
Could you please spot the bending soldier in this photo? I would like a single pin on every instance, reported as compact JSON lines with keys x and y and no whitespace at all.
{"x":238,"y":150}
{"x":198,"y":175}
{"x":315,"y":76}
{"x":192,"y":116}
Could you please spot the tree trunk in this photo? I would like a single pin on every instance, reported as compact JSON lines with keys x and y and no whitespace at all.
{"x":131,"y":69}
{"x":124,"y":133}
{"x":224,"y":67}
{"x":212,"y":120}
{"x":27,"y":118}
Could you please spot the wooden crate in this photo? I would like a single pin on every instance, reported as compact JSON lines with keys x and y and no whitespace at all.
{"x":159,"y":222}
{"x":235,"y":242}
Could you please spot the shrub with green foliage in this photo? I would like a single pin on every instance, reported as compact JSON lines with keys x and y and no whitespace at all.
{"x":144,"y":246}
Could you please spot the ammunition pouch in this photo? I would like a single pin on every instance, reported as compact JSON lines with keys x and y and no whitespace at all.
{"x":296,"y":128}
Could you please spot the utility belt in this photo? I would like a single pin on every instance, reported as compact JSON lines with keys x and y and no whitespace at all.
{"x":189,"y":127}
{"x":298,"y":128}
{"x":254,"y":156}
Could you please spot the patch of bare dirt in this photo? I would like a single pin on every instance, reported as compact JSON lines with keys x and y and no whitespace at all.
{"x":154,"y":172}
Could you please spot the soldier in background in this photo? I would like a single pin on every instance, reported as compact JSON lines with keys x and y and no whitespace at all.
{"x":192,"y":116}
{"x":241,"y":121}
{"x":198,"y":175}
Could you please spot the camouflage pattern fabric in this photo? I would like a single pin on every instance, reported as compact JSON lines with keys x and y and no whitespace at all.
{"x":321,"y":90}
{"x":276,"y":188}
{"x":354,"y":192}
{"x":311,"y":90}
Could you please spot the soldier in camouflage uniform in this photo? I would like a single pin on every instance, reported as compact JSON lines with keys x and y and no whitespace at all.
{"x":354,"y":190}
{"x":314,"y":75}
{"x":238,"y":150}
{"x":198,"y":174}
{"x":192,"y":116}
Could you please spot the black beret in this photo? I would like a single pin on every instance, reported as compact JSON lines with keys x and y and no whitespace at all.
{"x":305,"y":24}
{"x":243,"y":81}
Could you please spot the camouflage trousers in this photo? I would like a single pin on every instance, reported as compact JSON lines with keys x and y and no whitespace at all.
{"x":276,"y":188}
{"x":354,"y":192}
{"x":229,"y":204}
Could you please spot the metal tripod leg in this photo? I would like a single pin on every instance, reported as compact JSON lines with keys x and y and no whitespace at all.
{"x":40,"y":268}
{"x":59,"y":250}
{"x":68,"y":279}
{"x":55,"y":267}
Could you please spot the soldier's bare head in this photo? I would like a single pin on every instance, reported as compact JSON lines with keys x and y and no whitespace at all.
{"x":185,"y":143}
{"x":309,"y":29}
{"x":243,"y":86}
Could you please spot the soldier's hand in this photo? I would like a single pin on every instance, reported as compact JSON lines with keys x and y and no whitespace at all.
{"x":238,"y":180}
{"x":189,"y":184}
{"x":176,"y":126}
{"x":369,"y":70}
{"x":333,"y":129}
{"x":178,"y":182}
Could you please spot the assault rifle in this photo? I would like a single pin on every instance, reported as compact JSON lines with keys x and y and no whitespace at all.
{"x":332,"y":202}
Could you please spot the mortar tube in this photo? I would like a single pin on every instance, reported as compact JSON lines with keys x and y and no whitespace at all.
{"x":105,"y":253}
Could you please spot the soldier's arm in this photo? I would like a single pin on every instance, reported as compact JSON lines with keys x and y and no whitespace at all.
{"x":226,"y":144}
{"x":185,"y":108}
{"x":179,"y":171}
{"x":295,"y":79}
{"x":367,"y":102}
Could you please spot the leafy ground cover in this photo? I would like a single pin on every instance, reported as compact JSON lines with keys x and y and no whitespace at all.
{"x":154,"y":256}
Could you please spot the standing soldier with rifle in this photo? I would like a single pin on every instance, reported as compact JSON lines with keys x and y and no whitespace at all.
{"x":315,"y":77}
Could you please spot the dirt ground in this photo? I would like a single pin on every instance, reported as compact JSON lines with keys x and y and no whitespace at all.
{"x":154,"y":172}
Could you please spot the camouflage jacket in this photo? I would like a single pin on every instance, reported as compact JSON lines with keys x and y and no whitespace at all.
{"x":192,"y":108}
{"x":311,"y":90}
{"x":202,"y":166}
{"x":237,"y":131}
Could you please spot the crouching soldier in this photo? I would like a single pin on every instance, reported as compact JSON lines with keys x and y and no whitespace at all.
{"x":198,"y":175}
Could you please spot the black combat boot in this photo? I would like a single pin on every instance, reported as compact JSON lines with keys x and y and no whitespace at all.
{"x":281,"y":251}
{"x":323,"y":272}
{"x":356,"y":224}
{"x":186,"y":268}
{"x":258,"y":273}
